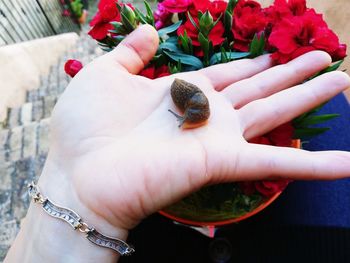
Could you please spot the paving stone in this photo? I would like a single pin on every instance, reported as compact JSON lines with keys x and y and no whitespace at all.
{"x":38,"y":110}
{"x":7,"y":171}
{"x":30,"y":140}
{"x":13,"y":118}
{"x":5,"y":206}
{"x":43,"y":136}
{"x":26,"y":113}
{"x":4,"y":148}
{"x":49,"y":103}
{"x":25,"y":173}
{"x":8,"y":233}
{"x":15,"y":143}
{"x":32,"y":95}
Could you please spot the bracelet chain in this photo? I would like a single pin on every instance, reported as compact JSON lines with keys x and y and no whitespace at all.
{"x":73,"y":219}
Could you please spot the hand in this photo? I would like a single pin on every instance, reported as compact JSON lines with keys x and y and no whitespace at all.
{"x":122,"y":155}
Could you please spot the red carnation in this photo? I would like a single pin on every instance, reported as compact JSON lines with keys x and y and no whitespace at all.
{"x":269,"y":188}
{"x":248,"y":20}
{"x":107,"y":12}
{"x":215,"y":35}
{"x":176,"y":6}
{"x":281,"y":136}
{"x":285,"y":8}
{"x":162,"y":17}
{"x":72,"y":67}
{"x":152,"y":72}
{"x":216,"y":7}
{"x":298,"y":35}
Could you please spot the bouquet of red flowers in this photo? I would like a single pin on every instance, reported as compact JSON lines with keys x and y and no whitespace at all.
{"x":199,"y":33}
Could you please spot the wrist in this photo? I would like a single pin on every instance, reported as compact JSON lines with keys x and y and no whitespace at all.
{"x":60,"y":188}
{"x":49,"y":239}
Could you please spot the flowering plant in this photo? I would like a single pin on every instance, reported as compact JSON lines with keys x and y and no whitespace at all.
{"x":199,"y":33}
{"x":72,"y":8}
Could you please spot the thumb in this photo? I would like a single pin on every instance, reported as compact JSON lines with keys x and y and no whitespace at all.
{"x":136,"y":50}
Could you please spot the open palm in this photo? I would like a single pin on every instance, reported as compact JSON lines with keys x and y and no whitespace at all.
{"x":122,"y":152}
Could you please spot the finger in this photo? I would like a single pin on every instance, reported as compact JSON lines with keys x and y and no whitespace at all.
{"x":223,"y":75}
{"x":277,"y":78}
{"x":261,"y":116}
{"x":269,"y":162}
{"x":136,"y":50}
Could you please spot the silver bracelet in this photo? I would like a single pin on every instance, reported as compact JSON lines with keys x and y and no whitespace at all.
{"x":75,"y":221}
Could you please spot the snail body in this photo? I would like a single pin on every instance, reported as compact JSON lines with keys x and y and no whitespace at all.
{"x":191,"y":101}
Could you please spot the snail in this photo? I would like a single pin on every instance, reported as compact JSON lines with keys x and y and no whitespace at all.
{"x":191,"y":101}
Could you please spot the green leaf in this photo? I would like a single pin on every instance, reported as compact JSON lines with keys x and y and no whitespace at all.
{"x":118,"y":28}
{"x":257,"y":45}
{"x":185,"y":59}
{"x":307,"y":114}
{"x":192,"y":21}
{"x":169,"y":29}
{"x":186,"y":43}
{"x":228,"y":25}
{"x":128,"y":25}
{"x":216,"y":58}
{"x":312,"y":120}
{"x":308,"y":132}
{"x":170,"y":46}
{"x":141,"y":17}
{"x":231,"y":5}
{"x":205,"y":45}
{"x":150,"y":16}
{"x":331,"y":68}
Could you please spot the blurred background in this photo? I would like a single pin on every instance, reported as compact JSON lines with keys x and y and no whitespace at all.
{"x":36,"y":39}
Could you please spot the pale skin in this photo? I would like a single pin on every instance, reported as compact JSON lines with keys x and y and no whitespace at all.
{"x":117,"y":154}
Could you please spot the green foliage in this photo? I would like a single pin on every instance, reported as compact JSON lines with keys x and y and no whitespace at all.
{"x":170,"y":29}
{"x":77,"y":8}
{"x":128,"y":17}
{"x":223,"y":56}
{"x":186,"y":43}
{"x":303,"y":124}
{"x":257,"y":45}
{"x":228,"y":19}
{"x":216,"y":203}
{"x":206,"y":46}
{"x":331,"y":68}
{"x":186,"y":59}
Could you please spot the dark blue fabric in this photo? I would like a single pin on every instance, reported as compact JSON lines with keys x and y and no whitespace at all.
{"x":325,"y":203}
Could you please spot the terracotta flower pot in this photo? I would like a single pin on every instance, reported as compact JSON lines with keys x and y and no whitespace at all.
{"x":175,"y":213}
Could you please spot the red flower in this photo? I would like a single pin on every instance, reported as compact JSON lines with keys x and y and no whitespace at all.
{"x":247,"y":188}
{"x":72,"y":67}
{"x":269,"y":188}
{"x":285,"y":8}
{"x":216,"y":7}
{"x":298,"y":35}
{"x":162,"y":17}
{"x":281,"y":136}
{"x":107,"y":12}
{"x":248,"y":20}
{"x":152,"y":72}
{"x":215,"y":35}
{"x":176,"y":6}
{"x":340,"y":53}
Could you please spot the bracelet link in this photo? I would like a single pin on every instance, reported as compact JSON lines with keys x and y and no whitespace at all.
{"x":75,"y":221}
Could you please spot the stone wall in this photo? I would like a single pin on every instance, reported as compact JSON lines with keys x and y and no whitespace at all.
{"x":24,"y":139}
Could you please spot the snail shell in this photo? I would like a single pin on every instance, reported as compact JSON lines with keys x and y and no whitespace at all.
{"x":191,"y":101}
